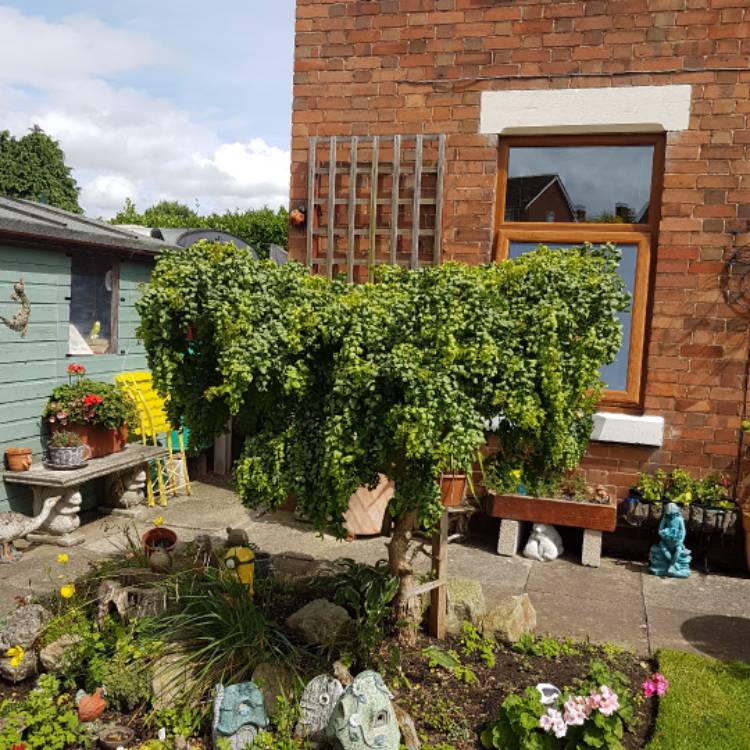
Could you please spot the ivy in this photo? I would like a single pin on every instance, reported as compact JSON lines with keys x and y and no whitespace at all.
{"x":332,"y":383}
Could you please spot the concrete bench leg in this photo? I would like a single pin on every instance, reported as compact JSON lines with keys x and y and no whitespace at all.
{"x":591,"y":552}
{"x":509,"y":537}
{"x":63,"y":521}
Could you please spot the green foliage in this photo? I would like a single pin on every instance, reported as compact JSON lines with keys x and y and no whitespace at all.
{"x":680,"y":487}
{"x":220,"y":634}
{"x":707,"y":704}
{"x":546,"y":648}
{"x":258,"y":227}
{"x":68,"y":404}
{"x":281,"y":734}
{"x":450,"y":661}
{"x":474,"y":642}
{"x":517,"y":725}
{"x":366,"y":591}
{"x":46,"y":719}
{"x":65,"y":439}
{"x":333,"y":383}
{"x":179,"y":720}
{"x":440,"y":716}
{"x":33,"y":167}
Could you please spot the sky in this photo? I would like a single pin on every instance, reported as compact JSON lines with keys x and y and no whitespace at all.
{"x":152,"y":100}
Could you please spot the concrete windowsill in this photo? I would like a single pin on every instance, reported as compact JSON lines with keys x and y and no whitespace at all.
{"x":610,"y":427}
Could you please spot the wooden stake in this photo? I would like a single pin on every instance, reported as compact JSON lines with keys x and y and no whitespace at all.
{"x":439,"y":595}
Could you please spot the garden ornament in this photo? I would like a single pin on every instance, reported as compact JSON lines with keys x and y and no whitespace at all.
{"x":545,"y":543}
{"x":90,"y":707}
{"x":318,"y":700}
{"x":549,"y":693}
{"x":241,"y":561}
{"x":20,"y":320}
{"x":112,"y":593}
{"x":670,"y":557}
{"x":239,"y":713}
{"x":237,"y":537}
{"x":16,"y":525}
{"x":364,"y":716}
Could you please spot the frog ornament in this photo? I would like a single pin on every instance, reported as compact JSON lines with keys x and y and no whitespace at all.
{"x":364,"y":718}
{"x":239,"y":712}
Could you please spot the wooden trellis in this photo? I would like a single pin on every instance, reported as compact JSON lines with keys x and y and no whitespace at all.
{"x":375,"y":199}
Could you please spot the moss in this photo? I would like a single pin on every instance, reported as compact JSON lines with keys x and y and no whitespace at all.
{"x":707,"y":706}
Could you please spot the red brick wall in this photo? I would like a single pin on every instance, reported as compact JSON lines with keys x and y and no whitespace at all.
{"x":367,"y":67}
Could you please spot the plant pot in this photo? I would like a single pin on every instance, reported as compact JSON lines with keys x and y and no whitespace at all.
{"x":453,"y":489}
{"x":66,"y":458}
{"x":101,"y":441}
{"x":18,"y":459}
{"x":262,"y":565}
{"x":159,"y":538}
{"x":113,"y":737}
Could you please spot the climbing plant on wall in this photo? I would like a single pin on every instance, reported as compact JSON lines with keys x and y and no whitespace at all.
{"x":335,"y":382}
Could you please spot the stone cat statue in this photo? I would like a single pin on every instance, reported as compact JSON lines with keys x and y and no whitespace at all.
{"x":545,"y":543}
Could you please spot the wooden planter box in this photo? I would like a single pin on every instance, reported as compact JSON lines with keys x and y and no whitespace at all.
{"x":553,"y":511}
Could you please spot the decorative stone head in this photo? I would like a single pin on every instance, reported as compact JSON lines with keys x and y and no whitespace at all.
{"x":317,"y":703}
{"x":364,"y":717}
{"x":238,"y":714}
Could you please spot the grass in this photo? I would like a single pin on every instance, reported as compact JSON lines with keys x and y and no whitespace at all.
{"x":707,"y":706}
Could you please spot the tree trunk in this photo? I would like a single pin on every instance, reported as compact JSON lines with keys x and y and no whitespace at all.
{"x":407,"y":610}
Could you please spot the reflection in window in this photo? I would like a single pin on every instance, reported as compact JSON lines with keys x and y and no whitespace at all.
{"x":592,"y":184}
{"x":615,"y":375}
{"x":92,"y":283}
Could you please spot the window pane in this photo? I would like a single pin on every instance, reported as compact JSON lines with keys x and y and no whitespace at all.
{"x":91,"y":305}
{"x":590,"y":184}
{"x":614,"y":375}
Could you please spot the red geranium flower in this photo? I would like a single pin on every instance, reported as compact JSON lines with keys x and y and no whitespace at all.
{"x":75,"y":369}
{"x":92,"y":400}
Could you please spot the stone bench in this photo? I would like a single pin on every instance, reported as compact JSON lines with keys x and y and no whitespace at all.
{"x":126,"y":476}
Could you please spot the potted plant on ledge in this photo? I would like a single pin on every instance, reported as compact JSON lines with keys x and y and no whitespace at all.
{"x":98,"y":412}
{"x":66,"y":450}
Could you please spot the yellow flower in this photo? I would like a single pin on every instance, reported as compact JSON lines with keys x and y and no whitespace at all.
{"x":16,"y":654}
{"x":67,"y":590}
{"x":516,"y":474}
{"x":158,"y":521}
{"x":62,"y":558}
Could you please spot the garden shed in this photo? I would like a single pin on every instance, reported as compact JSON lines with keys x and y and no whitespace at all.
{"x":68,"y":285}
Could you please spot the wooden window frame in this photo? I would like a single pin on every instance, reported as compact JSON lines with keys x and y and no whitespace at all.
{"x":643,"y":236}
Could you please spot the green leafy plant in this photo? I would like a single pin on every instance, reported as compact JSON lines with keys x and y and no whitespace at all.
{"x":440,"y":716}
{"x":546,"y":648}
{"x":46,"y":719}
{"x":474,"y":642}
{"x":179,"y":720}
{"x":366,"y":591}
{"x":335,"y":383}
{"x":680,"y":487}
{"x":65,"y":439}
{"x":450,"y":661}
{"x":90,"y":402}
{"x":281,"y":734}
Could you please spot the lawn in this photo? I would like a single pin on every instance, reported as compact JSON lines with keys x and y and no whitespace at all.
{"x":707,"y":706}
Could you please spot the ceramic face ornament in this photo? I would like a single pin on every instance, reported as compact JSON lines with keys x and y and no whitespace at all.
{"x":364,"y":718}
{"x":238,"y":714}
{"x":318,"y":700}
{"x":545,"y":543}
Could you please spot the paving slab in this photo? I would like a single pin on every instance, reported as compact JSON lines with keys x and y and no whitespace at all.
{"x":720,"y":636}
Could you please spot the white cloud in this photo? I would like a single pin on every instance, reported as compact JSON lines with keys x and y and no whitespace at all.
{"x":123,"y":141}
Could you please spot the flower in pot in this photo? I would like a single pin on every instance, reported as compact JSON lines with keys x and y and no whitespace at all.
{"x":66,"y":449}
{"x":18,"y":459}
{"x":99,"y":412}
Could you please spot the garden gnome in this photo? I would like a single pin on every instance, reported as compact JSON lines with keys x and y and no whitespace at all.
{"x":364,"y":718}
{"x":239,"y":712}
{"x":670,"y":557}
{"x":240,"y":558}
{"x":545,"y":543}
{"x":316,"y":705}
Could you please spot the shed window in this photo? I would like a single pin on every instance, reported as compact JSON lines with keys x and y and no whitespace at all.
{"x":94,"y":290}
{"x":566,"y":190}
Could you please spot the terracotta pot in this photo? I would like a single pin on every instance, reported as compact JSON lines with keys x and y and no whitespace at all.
{"x":453,"y":489}
{"x":746,"y":529}
{"x":19,"y":459}
{"x":100,"y":441}
{"x":159,"y":538}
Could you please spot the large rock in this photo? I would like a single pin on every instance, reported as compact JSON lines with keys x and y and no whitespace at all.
{"x":24,"y":626}
{"x":319,"y":623}
{"x":510,"y":619}
{"x":274,"y":681}
{"x":171,"y":680}
{"x":52,"y":656}
{"x":465,"y":604}
{"x":27,"y":668}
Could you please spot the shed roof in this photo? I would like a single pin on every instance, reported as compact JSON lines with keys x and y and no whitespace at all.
{"x":38,"y":222}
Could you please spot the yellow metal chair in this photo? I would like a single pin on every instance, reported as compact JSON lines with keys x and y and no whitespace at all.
{"x":154,"y":427}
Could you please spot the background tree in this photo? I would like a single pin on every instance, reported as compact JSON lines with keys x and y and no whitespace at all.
{"x":333,"y":383}
{"x":33,"y":167}
{"x":258,"y":227}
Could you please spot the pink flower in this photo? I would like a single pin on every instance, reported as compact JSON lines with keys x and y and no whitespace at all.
{"x":577,"y":711}
{"x":608,"y":701}
{"x":552,"y":721}
{"x":649,"y":688}
{"x":657,"y":684}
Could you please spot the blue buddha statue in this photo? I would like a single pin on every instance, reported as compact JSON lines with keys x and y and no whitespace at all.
{"x":670,"y":557}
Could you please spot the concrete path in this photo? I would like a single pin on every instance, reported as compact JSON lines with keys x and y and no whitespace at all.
{"x":618,"y":602}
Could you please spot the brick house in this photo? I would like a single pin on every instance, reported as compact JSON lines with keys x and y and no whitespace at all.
{"x":639,"y":107}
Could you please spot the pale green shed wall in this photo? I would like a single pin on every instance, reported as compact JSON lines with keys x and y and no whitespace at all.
{"x":31,"y":366}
